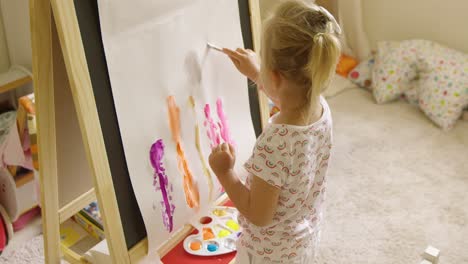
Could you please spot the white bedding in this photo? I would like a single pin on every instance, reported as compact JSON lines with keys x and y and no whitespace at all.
{"x":396,"y":184}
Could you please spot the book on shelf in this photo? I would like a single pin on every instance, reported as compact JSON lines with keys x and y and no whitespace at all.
{"x":92,"y":213}
{"x":89,"y":226}
{"x":71,"y":233}
{"x":75,"y":237}
{"x":90,"y":219}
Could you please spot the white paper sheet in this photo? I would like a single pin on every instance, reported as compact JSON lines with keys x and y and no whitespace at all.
{"x":156,"y":49}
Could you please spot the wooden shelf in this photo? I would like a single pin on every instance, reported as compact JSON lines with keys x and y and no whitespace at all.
{"x":13,"y":79}
{"x":79,"y":241}
{"x":76,"y":205}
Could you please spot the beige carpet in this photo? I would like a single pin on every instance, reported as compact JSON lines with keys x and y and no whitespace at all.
{"x":396,"y":184}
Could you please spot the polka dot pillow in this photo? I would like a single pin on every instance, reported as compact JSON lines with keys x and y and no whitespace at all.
{"x":412,"y":95}
{"x":443,"y":83}
{"x":442,"y":88}
{"x":361,"y":75}
{"x":394,"y":69}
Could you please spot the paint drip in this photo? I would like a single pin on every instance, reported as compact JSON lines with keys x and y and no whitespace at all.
{"x":211,"y":128}
{"x":223,"y":123}
{"x":161,"y":183}
{"x":192,"y":195}
{"x":206,"y":171}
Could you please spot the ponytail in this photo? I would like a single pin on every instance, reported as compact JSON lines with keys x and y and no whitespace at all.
{"x":323,"y":57}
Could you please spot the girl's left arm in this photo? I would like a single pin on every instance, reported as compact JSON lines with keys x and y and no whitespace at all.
{"x":258,"y":204}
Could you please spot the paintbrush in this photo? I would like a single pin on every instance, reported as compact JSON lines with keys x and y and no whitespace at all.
{"x":214,"y":47}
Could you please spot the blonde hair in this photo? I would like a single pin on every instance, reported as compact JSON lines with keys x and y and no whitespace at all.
{"x":300,"y":41}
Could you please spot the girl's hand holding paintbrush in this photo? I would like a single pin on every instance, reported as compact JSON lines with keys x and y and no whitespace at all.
{"x":246,"y":61}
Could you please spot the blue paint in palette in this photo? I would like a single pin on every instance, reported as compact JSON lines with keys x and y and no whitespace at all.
{"x":212,"y":247}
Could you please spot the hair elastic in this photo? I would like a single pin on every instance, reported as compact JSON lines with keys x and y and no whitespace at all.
{"x":335,"y":26}
{"x":317,"y":36}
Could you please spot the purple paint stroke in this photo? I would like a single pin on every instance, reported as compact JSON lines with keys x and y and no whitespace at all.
{"x":211,"y":128}
{"x":161,"y":183}
{"x":223,"y":123}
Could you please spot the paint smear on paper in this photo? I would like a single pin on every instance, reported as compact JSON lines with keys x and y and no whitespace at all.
{"x":192,"y":195}
{"x":211,"y":128}
{"x":161,"y":183}
{"x":223,"y":123}
{"x":206,"y":171}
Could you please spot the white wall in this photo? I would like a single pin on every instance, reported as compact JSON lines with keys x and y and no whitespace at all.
{"x":17,"y":31}
{"x":445,"y":21}
{"x":266,"y":6}
{"x":15,"y":42}
{"x":4,"y":57}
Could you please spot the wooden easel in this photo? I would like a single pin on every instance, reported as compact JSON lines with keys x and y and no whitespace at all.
{"x":74,"y":165}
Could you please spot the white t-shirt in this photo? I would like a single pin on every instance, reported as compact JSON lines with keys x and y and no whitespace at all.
{"x":295,"y":160}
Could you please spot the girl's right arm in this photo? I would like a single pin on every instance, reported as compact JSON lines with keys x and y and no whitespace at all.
{"x":246,"y":61}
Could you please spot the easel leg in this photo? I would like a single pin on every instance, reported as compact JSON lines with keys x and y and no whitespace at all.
{"x":41,"y":37}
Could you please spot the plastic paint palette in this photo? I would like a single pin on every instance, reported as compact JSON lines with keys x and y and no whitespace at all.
{"x":217,"y":234}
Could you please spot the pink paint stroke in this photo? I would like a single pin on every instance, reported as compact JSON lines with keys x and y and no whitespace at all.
{"x":161,"y":183}
{"x":223,"y":123}
{"x":211,"y":128}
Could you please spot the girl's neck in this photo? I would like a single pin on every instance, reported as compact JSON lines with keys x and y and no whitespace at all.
{"x":299,"y":115}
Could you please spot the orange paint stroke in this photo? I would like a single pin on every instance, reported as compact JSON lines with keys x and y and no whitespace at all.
{"x":192,"y":195}
{"x":206,"y":171}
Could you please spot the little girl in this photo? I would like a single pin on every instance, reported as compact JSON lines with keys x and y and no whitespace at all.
{"x":281,"y":201}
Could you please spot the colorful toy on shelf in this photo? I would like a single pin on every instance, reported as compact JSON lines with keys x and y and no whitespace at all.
{"x":25,"y":107}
